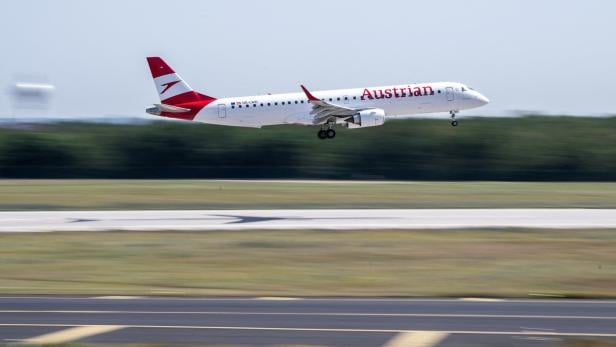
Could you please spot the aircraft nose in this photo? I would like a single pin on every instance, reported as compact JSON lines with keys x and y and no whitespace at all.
{"x":482,"y":99}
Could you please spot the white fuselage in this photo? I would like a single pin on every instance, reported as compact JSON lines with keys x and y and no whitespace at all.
{"x":294,"y":108}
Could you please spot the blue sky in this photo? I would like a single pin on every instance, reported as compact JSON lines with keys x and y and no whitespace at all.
{"x":553,"y":56}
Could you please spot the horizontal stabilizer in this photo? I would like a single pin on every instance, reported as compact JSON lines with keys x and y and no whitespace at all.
{"x":160,"y":108}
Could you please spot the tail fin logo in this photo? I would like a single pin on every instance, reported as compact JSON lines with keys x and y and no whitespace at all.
{"x":167,"y":86}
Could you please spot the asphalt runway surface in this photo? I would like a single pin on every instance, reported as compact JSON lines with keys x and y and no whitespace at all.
{"x":292,"y":321}
{"x":48,"y":221}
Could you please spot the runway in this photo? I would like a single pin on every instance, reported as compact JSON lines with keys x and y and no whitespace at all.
{"x":305,"y":219}
{"x":289,"y":321}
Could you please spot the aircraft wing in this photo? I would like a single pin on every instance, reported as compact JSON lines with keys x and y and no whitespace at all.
{"x":323,"y":110}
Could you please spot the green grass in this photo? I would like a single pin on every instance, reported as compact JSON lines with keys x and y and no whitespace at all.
{"x":202,"y":194}
{"x":507,"y":263}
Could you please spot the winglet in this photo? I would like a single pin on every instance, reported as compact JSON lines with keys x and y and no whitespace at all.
{"x":308,"y":94}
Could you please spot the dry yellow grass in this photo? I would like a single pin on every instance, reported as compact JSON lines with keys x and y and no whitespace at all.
{"x":510,"y":263}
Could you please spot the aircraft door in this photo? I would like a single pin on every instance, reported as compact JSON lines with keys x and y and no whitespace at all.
{"x":222,"y":111}
{"x":450,"y":95}
{"x":346,"y":99}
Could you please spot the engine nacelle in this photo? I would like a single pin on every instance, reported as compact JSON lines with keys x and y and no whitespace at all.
{"x":367,"y":118}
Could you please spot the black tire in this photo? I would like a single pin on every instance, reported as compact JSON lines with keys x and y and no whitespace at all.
{"x":454,"y":123}
{"x":322,"y":134}
{"x":331,"y":133}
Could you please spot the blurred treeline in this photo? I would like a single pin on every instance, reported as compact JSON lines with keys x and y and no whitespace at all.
{"x":529,"y":148}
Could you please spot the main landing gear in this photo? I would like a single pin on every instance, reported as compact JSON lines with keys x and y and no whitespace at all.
{"x":328,"y":133}
{"x":454,"y":122}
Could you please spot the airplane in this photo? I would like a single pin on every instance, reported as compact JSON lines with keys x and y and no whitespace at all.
{"x":352,"y":108}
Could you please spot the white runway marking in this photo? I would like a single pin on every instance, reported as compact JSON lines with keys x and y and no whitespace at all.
{"x":449,"y":332}
{"x":71,"y":334}
{"x":481,"y":300}
{"x":306,"y":219}
{"x":322,"y":314}
{"x":417,"y":339}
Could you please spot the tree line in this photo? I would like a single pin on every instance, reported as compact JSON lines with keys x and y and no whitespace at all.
{"x":516,"y":149}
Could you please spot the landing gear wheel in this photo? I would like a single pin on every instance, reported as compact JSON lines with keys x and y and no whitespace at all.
{"x":331,"y":133}
{"x":322,"y":134}
{"x":454,"y":122}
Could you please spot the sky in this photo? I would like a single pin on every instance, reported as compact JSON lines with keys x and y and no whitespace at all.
{"x":549,"y":56}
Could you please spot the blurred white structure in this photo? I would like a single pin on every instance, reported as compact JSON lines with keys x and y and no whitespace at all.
{"x":32,"y":95}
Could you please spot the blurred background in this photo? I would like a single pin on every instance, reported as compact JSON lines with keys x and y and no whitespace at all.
{"x":77,"y":85}
{"x":517,"y":149}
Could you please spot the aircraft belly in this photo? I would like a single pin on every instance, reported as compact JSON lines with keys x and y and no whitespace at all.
{"x":255,"y":119}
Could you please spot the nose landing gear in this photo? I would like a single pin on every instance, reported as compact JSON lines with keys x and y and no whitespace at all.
{"x":454,"y":122}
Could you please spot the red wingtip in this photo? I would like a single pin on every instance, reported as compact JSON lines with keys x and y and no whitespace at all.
{"x":158,"y":67}
{"x":308,"y":94}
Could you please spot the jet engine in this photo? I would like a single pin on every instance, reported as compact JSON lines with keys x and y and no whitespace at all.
{"x":366,"y":118}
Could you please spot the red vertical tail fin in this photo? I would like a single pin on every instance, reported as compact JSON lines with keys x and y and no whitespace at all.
{"x":175,"y":92}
